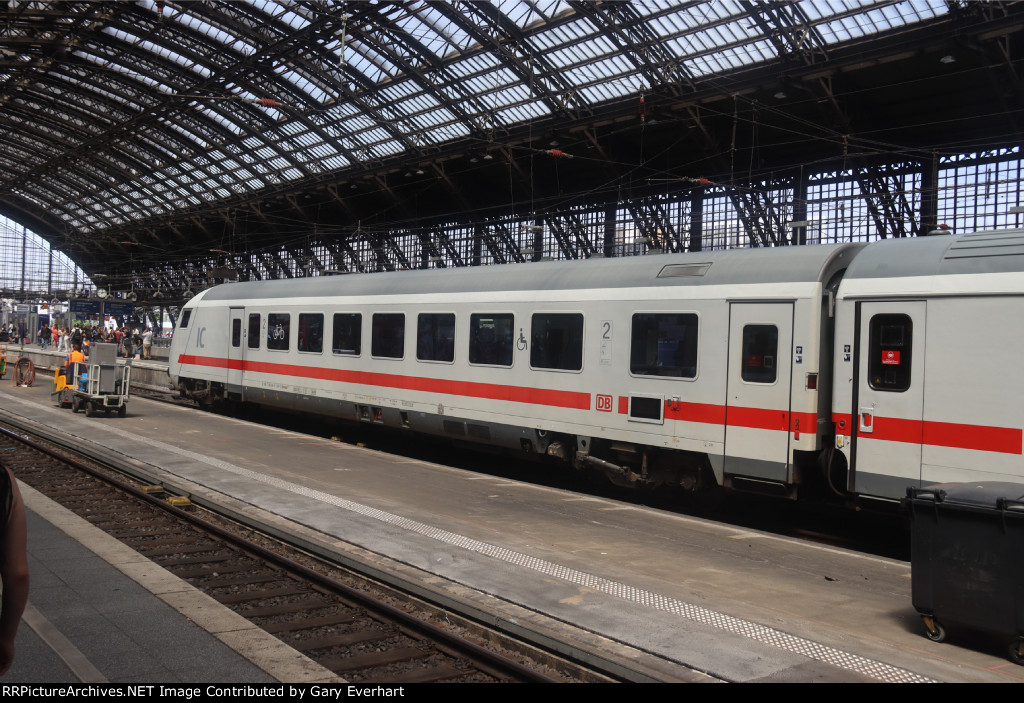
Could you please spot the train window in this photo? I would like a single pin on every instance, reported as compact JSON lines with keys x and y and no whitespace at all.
{"x":236,"y":332}
{"x":254,"y":330}
{"x":490,"y":339}
{"x":889,"y":352}
{"x":664,"y":344}
{"x":311,"y":332}
{"x":435,"y":336}
{"x":185,"y":317}
{"x":278,"y":328}
{"x":387,"y":338}
{"x":348,"y":333}
{"x":760,"y":353}
{"x":557,"y":341}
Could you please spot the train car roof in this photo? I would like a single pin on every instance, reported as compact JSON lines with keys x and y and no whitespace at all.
{"x":989,"y":251}
{"x":735,"y":266}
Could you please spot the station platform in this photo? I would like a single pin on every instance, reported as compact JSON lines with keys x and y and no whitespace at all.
{"x":662,"y":596}
{"x":100,"y":613}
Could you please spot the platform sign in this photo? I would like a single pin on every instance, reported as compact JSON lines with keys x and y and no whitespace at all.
{"x":119,"y":309}
{"x":81,"y":309}
{"x":92,"y":311}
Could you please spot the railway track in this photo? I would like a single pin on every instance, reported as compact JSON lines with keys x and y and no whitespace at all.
{"x":358,"y":636}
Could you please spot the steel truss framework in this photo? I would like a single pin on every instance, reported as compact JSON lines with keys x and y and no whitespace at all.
{"x":848,"y":203}
{"x":853,"y":203}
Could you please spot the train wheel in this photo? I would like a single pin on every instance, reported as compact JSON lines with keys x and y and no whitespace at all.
{"x":933,"y":629}
{"x":1016,"y":651}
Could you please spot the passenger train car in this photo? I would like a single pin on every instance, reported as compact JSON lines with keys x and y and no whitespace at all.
{"x":863,"y":368}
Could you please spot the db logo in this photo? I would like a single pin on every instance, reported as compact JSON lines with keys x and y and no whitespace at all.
{"x":604,"y":403}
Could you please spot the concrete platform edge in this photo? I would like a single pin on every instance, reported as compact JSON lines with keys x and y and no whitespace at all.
{"x":262,"y":649}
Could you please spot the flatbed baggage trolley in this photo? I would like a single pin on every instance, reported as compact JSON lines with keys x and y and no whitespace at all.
{"x":97,"y":384}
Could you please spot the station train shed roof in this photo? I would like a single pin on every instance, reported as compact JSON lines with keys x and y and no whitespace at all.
{"x":149,"y":129}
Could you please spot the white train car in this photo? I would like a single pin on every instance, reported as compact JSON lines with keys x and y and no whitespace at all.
{"x":691,"y":369}
{"x":928,"y":385}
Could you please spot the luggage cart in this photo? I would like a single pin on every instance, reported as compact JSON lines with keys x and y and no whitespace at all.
{"x":101,"y":383}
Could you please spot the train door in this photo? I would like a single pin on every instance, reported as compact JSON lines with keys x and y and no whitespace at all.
{"x":888,"y":399}
{"x":758,"y":390}
{"x":235,"y":350}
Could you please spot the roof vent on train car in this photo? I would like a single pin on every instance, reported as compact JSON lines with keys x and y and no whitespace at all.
{"x":987,"y":244}
{"x":678,"y":270}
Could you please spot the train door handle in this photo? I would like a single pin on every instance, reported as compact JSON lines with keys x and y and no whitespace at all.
{"x":867,"y":420}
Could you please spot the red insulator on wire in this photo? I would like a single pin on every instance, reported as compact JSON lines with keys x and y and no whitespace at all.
{"x":267,"y":102}
{"x":642,"y":110}
{"x":558,"y":154}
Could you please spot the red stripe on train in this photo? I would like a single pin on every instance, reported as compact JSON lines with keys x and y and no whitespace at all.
{"x":492,"y":391}
{"x":1007,"y":440}
{"x":734,"y":416}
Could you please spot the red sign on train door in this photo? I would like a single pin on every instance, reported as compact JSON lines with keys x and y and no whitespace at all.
{"x":890,"y":357}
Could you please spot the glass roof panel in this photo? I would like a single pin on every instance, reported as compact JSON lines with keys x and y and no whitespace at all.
{"x":397,"y":90}
{"x":336,"y":162}
{"x":302,"y":84}
{"x":435,"y":42}
{"x":139,"y":65}
{"x":440,"y":34}
{"x":523,"y":112}
{"x":219,"y":35}
{"x":188,"y":62}
{"x":369,"y":61}
{"x":292,"y":19}
{"x":845,"y":24}
{"x":574,"y":53}
{"x":221,"y":119}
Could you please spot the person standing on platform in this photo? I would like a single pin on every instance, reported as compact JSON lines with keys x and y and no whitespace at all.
{"x":147,"y":343}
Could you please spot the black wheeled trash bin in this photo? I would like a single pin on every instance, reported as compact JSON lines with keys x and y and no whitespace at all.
{"x":967,"y":559}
